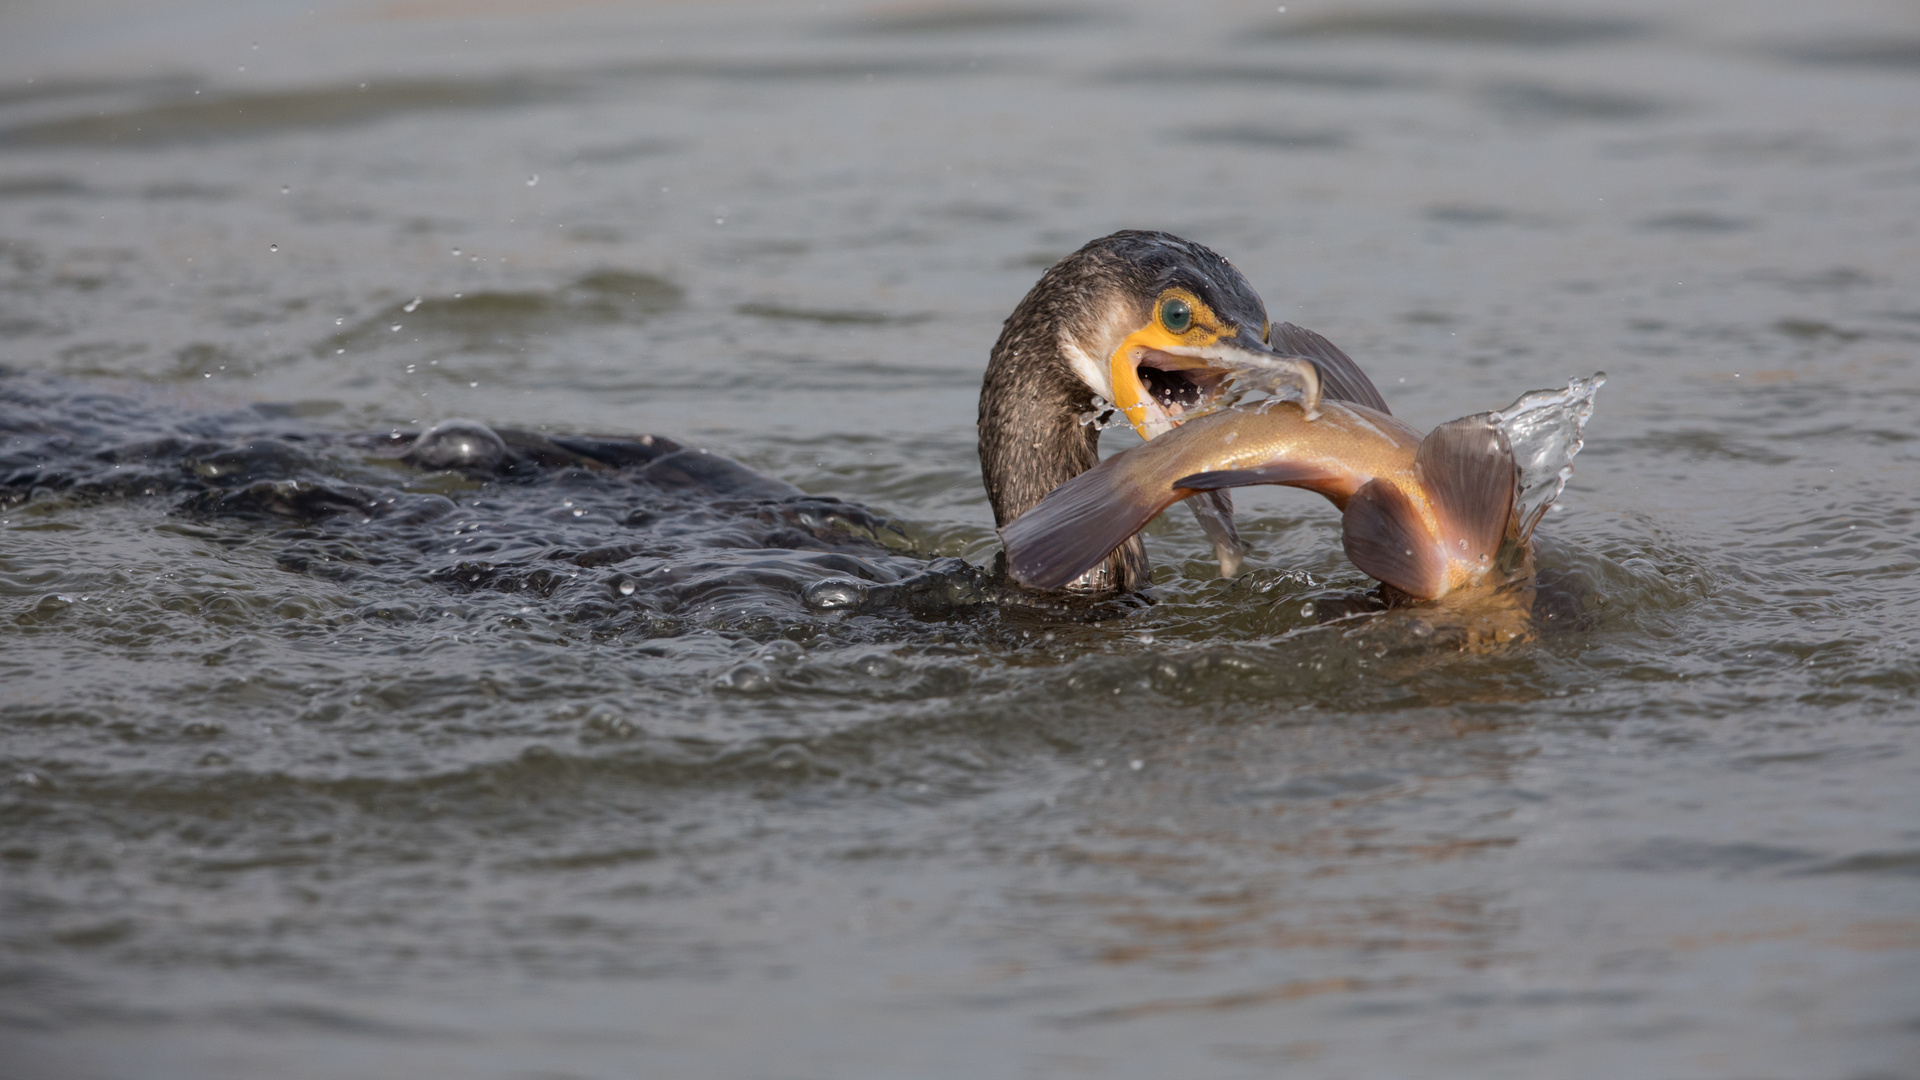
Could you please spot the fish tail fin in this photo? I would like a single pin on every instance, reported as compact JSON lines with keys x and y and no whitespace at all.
{"x":1467,"y":472}
{"x":1080,"y":523}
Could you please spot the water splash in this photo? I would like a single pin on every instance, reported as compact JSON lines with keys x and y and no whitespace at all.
{"x":1103,"y":415}
{"x":1544,"y":428}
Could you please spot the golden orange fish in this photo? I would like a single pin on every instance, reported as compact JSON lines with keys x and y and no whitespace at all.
{"x":1426,"y":515}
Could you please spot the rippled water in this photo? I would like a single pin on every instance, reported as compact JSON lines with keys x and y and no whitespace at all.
{"x":321,"y":765}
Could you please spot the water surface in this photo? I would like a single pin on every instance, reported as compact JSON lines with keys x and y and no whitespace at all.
{"x":570,"y":774}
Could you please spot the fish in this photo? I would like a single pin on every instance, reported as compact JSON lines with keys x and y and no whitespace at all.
{"x":1426,"y":515}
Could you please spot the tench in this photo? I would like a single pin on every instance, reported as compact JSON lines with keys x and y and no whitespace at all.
{"x":1427,"y":516}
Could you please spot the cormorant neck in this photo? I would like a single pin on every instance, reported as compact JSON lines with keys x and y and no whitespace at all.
{"x":1032,"y":439}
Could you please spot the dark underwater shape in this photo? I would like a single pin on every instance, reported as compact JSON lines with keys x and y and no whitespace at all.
{"x":626,"y":535}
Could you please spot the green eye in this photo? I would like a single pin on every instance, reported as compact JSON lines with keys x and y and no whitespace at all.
{"x":1176,"y":315}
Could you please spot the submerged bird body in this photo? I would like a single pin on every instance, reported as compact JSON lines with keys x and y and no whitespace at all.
{"x":1427,"y":516}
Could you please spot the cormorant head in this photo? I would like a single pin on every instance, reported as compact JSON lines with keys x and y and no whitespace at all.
{"x":1162,"y":326}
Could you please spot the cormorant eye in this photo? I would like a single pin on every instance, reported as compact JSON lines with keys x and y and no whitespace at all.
{"x":1176,"y":315}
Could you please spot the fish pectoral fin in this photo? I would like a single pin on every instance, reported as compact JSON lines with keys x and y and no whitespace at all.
{"x":1384,"y":535}
{"x":1467,"y":469}
{"x":1214,"y":512}
{"x":1279,"y":473}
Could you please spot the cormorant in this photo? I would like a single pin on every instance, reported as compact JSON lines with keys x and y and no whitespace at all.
{"x":1152,"y":325}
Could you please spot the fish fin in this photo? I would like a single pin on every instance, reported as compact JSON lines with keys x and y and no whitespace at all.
{"x":1214,"y":511}
{"x":1340,"y":377}
{"x":1276,"y":473}
{"x":1384,"y":536}
{"x":1079,"y":523}
{"x":1467,"y":469}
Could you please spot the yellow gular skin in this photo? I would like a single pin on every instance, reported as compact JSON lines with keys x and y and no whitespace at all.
{"x":1129,"y":392}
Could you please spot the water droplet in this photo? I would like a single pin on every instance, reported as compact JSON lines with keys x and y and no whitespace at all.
{"x":532,"y":180}
{"x":339,"y":352}
{"x":342,"y":321}
{"x":412,"y":306}
{"x":456,"y":253}
{"x":1463,"y":543}
{"x":475,"y":385}
{"x":273,"y":247}
{"x":1306,"y":610}
{"x":576,"y":513}
{"x":626,"y":587}
{"x":285,"y":190}
{"x":395,"y":327}
{"x":719,"y":221}
{"x":1136,"y":764}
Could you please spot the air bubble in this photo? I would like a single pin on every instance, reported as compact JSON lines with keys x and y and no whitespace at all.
{"x":458,"y":444}
{"x":748,"y":678}
{"x":877,"y":666}
{"x":833,"y":594}
{"x":790,"y":756}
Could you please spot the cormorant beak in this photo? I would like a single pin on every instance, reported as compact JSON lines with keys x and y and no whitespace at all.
{"x":1159,"y":379}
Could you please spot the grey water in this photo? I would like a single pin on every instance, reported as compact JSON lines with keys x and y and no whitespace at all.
{"x":318,"y":764}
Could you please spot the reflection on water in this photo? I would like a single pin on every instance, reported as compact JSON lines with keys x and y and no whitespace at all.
{"x":614,"y":757}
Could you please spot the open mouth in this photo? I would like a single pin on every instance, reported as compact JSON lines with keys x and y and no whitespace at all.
{"x":1178,"y":384}
{"x":1158,"y":388}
